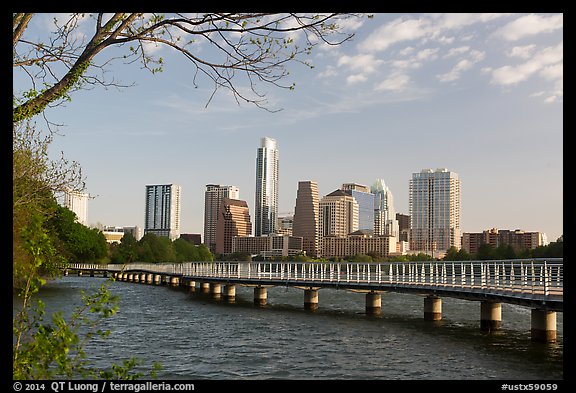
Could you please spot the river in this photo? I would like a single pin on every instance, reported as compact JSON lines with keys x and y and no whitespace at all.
{"x":194,"y":336}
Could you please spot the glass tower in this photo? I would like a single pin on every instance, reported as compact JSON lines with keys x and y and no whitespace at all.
{"x":365,"y":200}
{"x":162,"y":216}
{"x":385,"y":222}
{"x":266,"y":203}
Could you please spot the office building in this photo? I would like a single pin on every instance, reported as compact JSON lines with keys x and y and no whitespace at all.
{"x":338,"y":213}
{"x":77,"y":202}
{"x":434,"y":203}
{"x":517,"y":239}
{"x":162,"y":216}
{"x":306,"y":222}
{"x":233,"y":220}
{"x":359,"y":242}
{"x":385,"y":222}
{"x":268,"y":246}
{"x":365,"y":200}
{"x":212,"y":200}
{"x":266,"y":201}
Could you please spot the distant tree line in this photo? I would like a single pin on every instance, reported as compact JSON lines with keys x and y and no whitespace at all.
{"x":151,"y":248}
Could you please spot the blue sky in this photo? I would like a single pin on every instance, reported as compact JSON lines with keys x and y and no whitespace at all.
{"x":478,"y":94}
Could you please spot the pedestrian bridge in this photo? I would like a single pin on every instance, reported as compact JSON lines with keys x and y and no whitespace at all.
{"x":534,"y":283}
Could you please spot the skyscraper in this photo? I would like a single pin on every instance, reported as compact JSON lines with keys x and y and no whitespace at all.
{"x":307,"y":217}
{"x":434,"y":203}
{"x":338,"y":214}
{"x":385,"y":222}
{"x":365,"y":200}
{"x":266,"y":204}
{"x":233,"y":220}
{"x":77,"y":202}
{"x":163,"y":210}
{"x":212,"y":201}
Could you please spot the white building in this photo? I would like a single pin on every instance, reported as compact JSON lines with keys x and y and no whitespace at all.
{"x":434,"y":203}
{"x":266,"y":201}
{"x":78,"y":203}
{"x":385,"y":222}
{"x":162,"y":216}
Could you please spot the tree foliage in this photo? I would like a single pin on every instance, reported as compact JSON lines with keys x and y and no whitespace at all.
{"x":254,"y":47}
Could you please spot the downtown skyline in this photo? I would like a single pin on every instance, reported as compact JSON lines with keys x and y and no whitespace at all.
{"x":479,"y":94}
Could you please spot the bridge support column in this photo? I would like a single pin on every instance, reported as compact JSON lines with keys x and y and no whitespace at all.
{"x":149,"y":278}
{"x":216,"y":290}
{"x":157,"y":279}
{"x":311,"y":299}
{"x":373,"y":303}
{"x":65,"y":272}
{"x":191,"y":286}
{"x":260,"y":296}
{"x":543,"y":325}
{"x":174,"y":281}
{"x":490,"y":316}
{"x":204,"y":287}
{"x":130,"y":277}
{"x":79,"y":273}
{"x":136,"y":277}
{"x":432,"y":308}
{"x":230,"y":292}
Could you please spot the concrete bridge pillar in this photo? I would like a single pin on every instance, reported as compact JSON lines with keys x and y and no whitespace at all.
{"x":79,"y":273}
{"x":490,"y":315}
{"x":130,"y":277}
{"x":191,"y":285}
{"x":174,"y":281}
{"x":311,"y":299}
{"x":373,"y":303}
{"x":157,"y":279}
{"x":65,"y":272}
{"x":143,"y":277}
{"x":230,"y":292}
{"x":543,"y":325}
{"x":260,"y":296}
{"x":149,"y":278}
{"x":216,"y":290}
{"x":204,"y":287}
{"x":136,"y":277}
{"x":432,"y":308}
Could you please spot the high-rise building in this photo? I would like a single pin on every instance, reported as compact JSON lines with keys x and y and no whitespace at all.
{"x":212,"y":201}
{"x":338,"y":214}
{"x":233,"y":220}
{"x":266,"y":203}
{"x":77,"y":202}
{"x":365,"y":200}
{"x":434,"y":203}
{"x":306,"y":222}
{"x":385,"y":222}
{"x":162,"y":216}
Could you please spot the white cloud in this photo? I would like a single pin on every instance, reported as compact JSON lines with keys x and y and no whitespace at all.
{"x":362,"y":62}
{"x":474,"y":56}
{"x":398,"y":30}
{"x":356,"y":78}
{"x":528,"y":25}
{"x":397,"y":82}
{"x":524,"y":52}
{"x":457,"y":51}
{"x":550,"y":56}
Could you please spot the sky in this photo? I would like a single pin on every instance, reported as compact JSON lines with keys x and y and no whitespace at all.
{"x":478,"y":94}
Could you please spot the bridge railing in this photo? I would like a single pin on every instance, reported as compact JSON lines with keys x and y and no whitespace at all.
{"x":523,"y":276}
{"x":535,"y":276}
